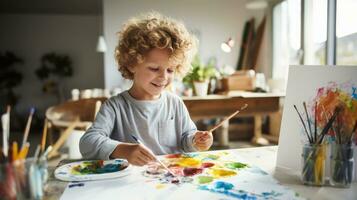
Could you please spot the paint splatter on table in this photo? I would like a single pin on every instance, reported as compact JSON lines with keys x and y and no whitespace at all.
{"x":219,"y":173}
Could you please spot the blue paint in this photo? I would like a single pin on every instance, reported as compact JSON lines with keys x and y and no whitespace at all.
{"x":354,"y":94}
{"x":76,"y":185}
{"x":108,"y":168}
{"x":227,"y":189}
{"x":223,"y":185}
{"x":271,"y":194}
{"x":189,"y":155}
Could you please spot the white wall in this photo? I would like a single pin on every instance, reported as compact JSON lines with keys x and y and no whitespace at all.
{"x":216,"y":20}
{"x":31,"y":36}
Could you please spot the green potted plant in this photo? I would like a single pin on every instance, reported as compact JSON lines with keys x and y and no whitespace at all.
{"x":200,"y":75}
{"x":53,"y":70}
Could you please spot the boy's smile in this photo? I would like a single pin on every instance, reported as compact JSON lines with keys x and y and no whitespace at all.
{"x":152,"y":76}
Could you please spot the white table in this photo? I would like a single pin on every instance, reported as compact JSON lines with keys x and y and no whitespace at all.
{"x":265,"y":158}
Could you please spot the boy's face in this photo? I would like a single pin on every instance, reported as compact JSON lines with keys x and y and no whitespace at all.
{"x":152,"y":76}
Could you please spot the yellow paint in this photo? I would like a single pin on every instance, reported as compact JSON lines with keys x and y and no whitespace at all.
{"x":189,"y":162}
{"x":218,"y":173}
{"x":160,"y":186}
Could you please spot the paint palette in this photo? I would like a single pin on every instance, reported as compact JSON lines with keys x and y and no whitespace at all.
{"x":93,"y":170}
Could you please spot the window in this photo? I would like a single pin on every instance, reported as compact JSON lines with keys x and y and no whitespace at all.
{"x":286,"y":36}
{"x":346,"y":32}
{"x":315,"y":32}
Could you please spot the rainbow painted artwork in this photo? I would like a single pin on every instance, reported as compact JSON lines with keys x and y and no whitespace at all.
{"x":206,"y":175}
{"x":330,"y":95}
{"x":220,"y":173}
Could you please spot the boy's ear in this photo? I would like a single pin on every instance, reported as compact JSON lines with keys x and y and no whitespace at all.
{"x":131,"y":69}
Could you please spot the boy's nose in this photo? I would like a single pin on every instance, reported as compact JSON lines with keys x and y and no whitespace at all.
{"x":164,"y":74}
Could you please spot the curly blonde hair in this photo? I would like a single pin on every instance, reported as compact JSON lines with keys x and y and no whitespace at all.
{"x":140,"y":35}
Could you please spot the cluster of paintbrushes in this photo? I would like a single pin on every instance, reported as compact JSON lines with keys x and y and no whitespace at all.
{"x":314,"y":153}
{"x":312,"y":136}
{"x":22,"y":176}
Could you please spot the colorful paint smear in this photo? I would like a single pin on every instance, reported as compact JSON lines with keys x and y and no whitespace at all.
{"x":213,"y":173}
{"x":194,"y":167}
{"x":228,"y":189}
{"x":219,"y":173}
{"x":204,"y":179}
{"x":189,"y":162}
{"x":98,"y":167}
{"x":332,"y":96}
{"x":235,"y":165}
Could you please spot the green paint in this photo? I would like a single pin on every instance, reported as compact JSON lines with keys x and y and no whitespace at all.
{"x":205,"y":179}
{"x":213,"y":157}
{"x":236,"y":165}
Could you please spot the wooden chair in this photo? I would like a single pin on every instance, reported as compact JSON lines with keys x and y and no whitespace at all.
{"x":69,"y":116}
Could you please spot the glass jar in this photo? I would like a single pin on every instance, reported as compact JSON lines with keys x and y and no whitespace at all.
{"x":313,"y":164}
{"x":341,"y":165}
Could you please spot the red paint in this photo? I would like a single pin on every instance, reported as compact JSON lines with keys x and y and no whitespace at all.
{"x":188,"y":171}
{"x":173,"y":156}
{"x":207,"y":165}
{"x":177,"y":170}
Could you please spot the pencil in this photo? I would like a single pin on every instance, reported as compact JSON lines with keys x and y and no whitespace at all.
{"x":228,"y":118}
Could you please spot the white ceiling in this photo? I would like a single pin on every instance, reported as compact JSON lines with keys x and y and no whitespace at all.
{"x":77,"y":7}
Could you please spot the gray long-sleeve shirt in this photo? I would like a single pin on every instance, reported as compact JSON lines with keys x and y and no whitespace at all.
{"x":162,"y":125}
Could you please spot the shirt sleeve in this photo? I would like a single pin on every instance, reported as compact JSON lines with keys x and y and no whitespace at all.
{"x":96,"y":142}
{"x":188,"y":128}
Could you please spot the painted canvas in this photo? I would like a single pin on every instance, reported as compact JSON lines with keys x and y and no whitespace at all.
{"x":92,"y":170}
{"x":207,"y":175}
{"x":323,"y":89}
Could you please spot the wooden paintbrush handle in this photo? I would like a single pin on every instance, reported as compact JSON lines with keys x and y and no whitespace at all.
{"x":228,"y":118}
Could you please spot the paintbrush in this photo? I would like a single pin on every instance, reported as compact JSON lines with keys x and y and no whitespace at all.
{"x":303,"y":123}
{"x":328,"y":125}
{"x":44,"y":137}
{"x":353,"y":131}
{"x":308,"y":119}
{"x":158,"y":160}
{"x":228,"y":118}
{"x":333,"y":127}
{"x":5,"y":121}
{"x":315,"y":122}
{"x":27,"y":129}
{"x":45,"y":154}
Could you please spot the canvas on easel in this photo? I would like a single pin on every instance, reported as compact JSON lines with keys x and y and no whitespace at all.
{"x":313,"y":84}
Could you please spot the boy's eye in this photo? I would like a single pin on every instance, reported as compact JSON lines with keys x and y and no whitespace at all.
{"x":170,"y":71}
{"x":154,"y":69}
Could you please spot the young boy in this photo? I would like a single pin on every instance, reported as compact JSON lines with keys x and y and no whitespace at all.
{"x":150,"y":51}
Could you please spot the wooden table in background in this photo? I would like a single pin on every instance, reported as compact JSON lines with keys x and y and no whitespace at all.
{"x":220,"y":106}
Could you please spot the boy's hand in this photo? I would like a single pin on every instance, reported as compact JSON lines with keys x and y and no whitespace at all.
{"x":202,"y":140}
{"x":136,"y":154}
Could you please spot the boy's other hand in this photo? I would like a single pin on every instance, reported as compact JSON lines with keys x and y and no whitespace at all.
{"x":203,"y":140}
{"x":136,"y":154}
